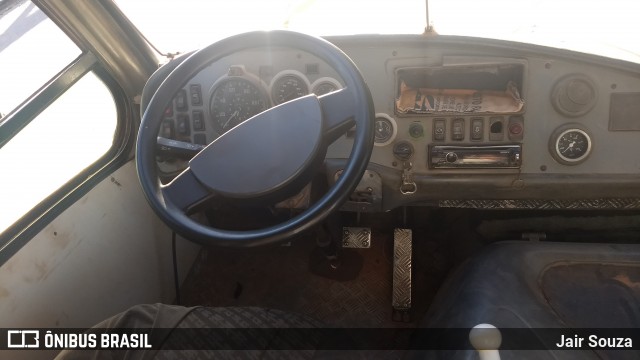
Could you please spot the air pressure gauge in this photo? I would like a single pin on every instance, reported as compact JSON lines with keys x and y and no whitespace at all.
{"x":570,"y":145}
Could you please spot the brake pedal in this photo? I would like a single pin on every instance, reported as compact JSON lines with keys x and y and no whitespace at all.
{"x":402,"y":249}
{"x":356,"y":237}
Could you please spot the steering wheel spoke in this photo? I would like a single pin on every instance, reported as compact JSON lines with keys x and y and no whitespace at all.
{"x":185,"y":191}
{"x":337,"y":113}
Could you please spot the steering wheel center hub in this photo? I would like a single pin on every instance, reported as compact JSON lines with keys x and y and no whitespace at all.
{"x":271,"y":155}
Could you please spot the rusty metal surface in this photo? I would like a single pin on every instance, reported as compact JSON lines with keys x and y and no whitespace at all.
{"x":615,"y":203}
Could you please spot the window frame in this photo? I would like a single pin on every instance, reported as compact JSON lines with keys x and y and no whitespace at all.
{"x":30,"y":224}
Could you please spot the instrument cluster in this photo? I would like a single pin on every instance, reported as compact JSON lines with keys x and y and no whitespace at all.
{"x":230,"y":92}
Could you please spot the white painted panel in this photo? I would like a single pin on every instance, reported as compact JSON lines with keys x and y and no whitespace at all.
{"x":105,"y":253}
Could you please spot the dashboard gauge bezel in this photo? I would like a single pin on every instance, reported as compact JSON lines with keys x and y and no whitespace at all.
{"x":562,"y":101}
{"x":246,"y":77}
{"x":556,"y":137}
{"x":283,"y":74}
{"x":325,"y":80}
{"x":394,"y":129}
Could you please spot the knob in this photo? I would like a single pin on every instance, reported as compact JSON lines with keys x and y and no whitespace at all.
{"x":416,"y":130}
{"x":515,"y":129}
{"x":486,"y":339}
{"x":451,"y":157}
{"x":403,"y":150}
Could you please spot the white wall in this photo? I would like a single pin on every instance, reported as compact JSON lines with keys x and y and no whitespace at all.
{"x":104,"y":254}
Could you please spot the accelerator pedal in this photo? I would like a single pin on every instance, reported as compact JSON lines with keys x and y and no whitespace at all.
{"x":401,"y":297}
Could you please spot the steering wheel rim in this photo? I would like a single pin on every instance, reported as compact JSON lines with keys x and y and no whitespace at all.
{"x":363,"y":113}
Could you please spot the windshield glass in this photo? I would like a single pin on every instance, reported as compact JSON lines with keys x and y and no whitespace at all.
{"x":602,"y":28}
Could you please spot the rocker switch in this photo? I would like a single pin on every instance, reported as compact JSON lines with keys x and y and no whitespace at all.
{"x":477,"y":128}
{"x":181,"y":100}
{"x":457,"y":129}
{"x":439,"y":129}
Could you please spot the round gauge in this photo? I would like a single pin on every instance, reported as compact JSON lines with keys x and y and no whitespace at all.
{"x":385,"y":129}
{"x":570,"y":145}
{"x":288,"y":85}
{"x":233,"y":101}
{"x":325,"y":85}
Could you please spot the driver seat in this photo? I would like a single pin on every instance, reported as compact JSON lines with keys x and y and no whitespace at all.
{"x":169,"y":325}
{"x":538,"y":285}
{"x":521,"y":285}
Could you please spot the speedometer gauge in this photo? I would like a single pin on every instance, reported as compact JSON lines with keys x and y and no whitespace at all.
{"x":235,"y":100}
{"x":288,"y":85}
{"x":570,"y":145}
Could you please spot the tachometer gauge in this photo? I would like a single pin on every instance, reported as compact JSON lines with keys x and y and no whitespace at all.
{"x":325,"y":85}
{"x":235,"y":100}
{"x":288,"y":85}
{"x":570,"y":145}
{"x":385,"y":129}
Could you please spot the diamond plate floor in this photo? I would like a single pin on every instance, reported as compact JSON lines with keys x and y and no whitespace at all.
{"x":280,"y":278}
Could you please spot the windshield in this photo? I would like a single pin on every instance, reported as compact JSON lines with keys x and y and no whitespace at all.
{"x":602,"y":28}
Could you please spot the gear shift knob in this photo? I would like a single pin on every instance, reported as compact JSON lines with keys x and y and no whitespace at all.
{"x":486,"y":339}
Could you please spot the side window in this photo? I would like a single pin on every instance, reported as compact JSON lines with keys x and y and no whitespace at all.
{"x":32,"y":50}
{"x":69,"y":135}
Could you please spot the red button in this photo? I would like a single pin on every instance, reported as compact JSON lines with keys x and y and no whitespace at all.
{"x":515,"y":129}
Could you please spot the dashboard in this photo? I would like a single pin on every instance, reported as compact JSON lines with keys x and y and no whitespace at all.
{"x":460,"y":122}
